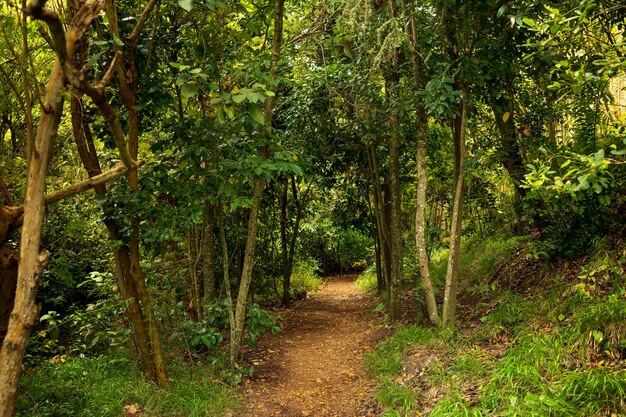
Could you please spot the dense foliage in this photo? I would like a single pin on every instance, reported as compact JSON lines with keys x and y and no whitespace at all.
{"x":256,"y":146}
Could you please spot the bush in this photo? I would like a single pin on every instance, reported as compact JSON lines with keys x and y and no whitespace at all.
{"x":304,"y":277}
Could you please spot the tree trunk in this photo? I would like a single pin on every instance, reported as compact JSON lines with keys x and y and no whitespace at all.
{"x":420,"y":222}
{"x":226,"y":271}
{"x":381,"y":219}
{"x":194,"y":284}
{"x":291,"y":249}
{"x":246,"y":273}
{"x":208,"y":253}
{"x":128,"y":78}
{"x":8,"y":283}
{"x":283,"y":244}
{"x":510,"y":151}
{"x":422,"y":175}
{"x":32,"y":263}
{"x":395,"y":308}
{"x":453,"y":271}
{"x":128,"y":292}
{"x":386,"y":218}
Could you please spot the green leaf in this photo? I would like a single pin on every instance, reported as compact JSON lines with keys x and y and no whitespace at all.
{"x":238,"y":98}
{"x":598,"y":157}
{"x":598,"y":336}
{"x":257,"y":114}
{"x":186,"y":4}
{"x":189,"y":90}
{"x":197,"y":214}
{"x":230,"y":111}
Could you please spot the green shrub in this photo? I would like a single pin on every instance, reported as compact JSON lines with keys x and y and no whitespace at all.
{"x":368,"y":281}
{"x":304,"y":277}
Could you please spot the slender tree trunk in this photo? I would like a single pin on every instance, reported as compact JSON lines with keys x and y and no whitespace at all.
{"x":246,"y":273}
{"x":128,"y":291}
{"x":227,"y":283}
{"x":32,"y":262}
{"x":381,"y":221}
{"x":420,"y":224}
{"x":194,"y":284}
{"x":453,"y":272}
{"x":510,"y":150}
{"x":128,"y":81}
{"x":386,"y":218}
{"x":208,"y":253}
{"x":283,"y":244}
{"x":422,"y":175}
{"x":8,"y":284}
{"x":395,"y":308}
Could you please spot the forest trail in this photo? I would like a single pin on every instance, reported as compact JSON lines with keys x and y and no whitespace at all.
{"x":314,"y":367}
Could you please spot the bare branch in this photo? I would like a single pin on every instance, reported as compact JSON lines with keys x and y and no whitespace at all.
{"x":133,"y":38}
{"x":109,"y":74}
{"x":77,"y":188}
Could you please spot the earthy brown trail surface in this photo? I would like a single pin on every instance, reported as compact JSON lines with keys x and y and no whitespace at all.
{"x":314,"y":367}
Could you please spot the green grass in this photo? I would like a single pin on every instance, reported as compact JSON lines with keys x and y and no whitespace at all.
{"x":479,"y":258}
{"x":367,"y":281}
{"x":102,"y":386}
{"x":556,"y":351}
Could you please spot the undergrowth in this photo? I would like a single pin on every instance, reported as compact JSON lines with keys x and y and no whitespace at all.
{"x":368,"y":281}
{"x":109,"y":384}
{"x":559,"y":350}
{"x":304,"y":277}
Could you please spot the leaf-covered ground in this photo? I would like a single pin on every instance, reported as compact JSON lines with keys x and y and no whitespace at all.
{"x":314,"y":367}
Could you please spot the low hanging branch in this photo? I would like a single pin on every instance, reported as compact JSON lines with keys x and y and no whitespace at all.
{"x":77,"y":188}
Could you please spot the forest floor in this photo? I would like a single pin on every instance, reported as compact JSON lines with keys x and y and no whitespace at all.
{"x":315,"y":366}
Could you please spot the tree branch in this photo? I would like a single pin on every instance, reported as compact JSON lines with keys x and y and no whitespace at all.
{"x":79,"y":187}
{"x":133,"y":38}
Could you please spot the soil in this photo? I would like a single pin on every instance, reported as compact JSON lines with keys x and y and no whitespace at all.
{"x":314,"y":367}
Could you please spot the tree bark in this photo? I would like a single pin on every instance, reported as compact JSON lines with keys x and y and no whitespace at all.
{"x":32,"y":263}
{"x":227,"y":283}
{"x":511,"y":155}
{"x":453,"y":271}
{"x":420,"y":226}
{"x":381,"y":221}
{"x":128,"y":77}
{"x":283,"y":244}
{"x":289,"y":246}
{"x":208,"y":253}
{"x":395,"y":308}
{"x":128,"y":291}
{"x":422,"y":176}
{"x":246,"y":273}
{"x":381,"y":217}
{"x":194,"y":284}
{"x":8,"y":283}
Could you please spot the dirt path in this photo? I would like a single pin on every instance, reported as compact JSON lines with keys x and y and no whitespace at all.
{"x":314,"y":367}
